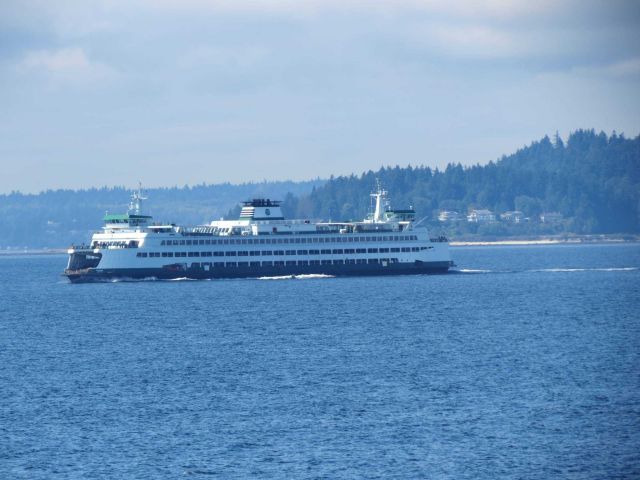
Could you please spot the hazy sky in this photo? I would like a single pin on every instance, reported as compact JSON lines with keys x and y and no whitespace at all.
{"x":190,"y":91}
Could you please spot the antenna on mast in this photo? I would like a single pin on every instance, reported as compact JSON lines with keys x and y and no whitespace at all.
{"x":135,"y":206}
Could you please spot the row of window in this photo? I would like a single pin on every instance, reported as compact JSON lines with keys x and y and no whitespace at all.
{"x":300,"y":263}
{"x":319,"y":239}
{"x":267,"y":253}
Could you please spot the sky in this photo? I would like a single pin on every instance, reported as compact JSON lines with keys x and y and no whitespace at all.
{"x":175,"y":92}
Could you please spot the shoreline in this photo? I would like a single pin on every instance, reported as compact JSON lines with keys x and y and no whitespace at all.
{"x":584,"y":240}
{"x":33,"y":252}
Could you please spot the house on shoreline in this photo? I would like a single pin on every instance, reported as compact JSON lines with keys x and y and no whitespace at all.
{"x":515,"y":216}
{"x":481,"y":216}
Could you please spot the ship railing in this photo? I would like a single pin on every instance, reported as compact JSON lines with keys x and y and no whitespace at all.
{"x":440,"y":239}
{"x":82,"y":246}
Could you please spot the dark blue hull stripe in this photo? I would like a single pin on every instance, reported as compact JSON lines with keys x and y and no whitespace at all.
{"x":254,"y":272}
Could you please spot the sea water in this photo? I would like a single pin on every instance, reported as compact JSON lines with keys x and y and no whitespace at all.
{"x":523,"y":364}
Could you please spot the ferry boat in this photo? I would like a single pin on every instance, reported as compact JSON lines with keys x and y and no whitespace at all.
{"x":260,"y":243}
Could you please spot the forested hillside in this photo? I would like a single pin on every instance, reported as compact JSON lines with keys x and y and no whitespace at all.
{"x":592,"y":180}
{"x":56,"y":218}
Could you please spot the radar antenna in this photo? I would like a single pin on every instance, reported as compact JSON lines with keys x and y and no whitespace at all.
{"x":135,"y":206}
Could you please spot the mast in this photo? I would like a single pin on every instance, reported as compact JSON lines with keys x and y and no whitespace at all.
{"x":135,"y":206}
{"x":380,"y":197}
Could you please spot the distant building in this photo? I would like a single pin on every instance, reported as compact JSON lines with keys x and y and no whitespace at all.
{"x":449,"y":216}
{"x":550,"y":217}
{"x":481,"y":216}
{"x":515,"y":216}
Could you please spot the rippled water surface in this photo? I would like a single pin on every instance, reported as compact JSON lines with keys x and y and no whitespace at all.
{"x":526,"y":364}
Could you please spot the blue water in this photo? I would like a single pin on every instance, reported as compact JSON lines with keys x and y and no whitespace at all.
{"x":527,"y":365}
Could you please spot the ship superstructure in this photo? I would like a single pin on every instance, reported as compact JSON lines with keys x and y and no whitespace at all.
{"x":260,"y":243}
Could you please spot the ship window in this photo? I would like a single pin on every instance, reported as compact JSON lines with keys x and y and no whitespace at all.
{"x":384,"y":250}
{"x":200,"y":242}
{"x":231,"y":264}
{"x":349,"y":250}
{"x":291,"y":252}
{"x":360,"y":261}
{"x":302,"y":252}
{"x":205,"y":254}
{"x":262,"y":240}
{"x":278,"y":263}
{"x":350,"y":261}
{"x":207,"y":242}
{"x":169,"y":254}
{"x":162,"y":243}
{"x":188,"y":242}
{"x":325,"y":252}
{"x":338,"y":262}
{"x":350,"y":239}
{"x":254,"y":253}
{"x":372,"y":260}
{"x":406,"y":249}
{"x":372,"y":250}
{"x":243,"y":253}
{"x":230,"y":253}
{"x":267,"y":264}
{"x":314,"y":252}
{"x":337,"y":251}
{"x":254,"y":264}
{"x":395,"y":249}
{"x":361,"y":250}
{"x":164,"y":254}
{"x":267,"y":252}
{"x":314,"y":262}
{"x":325,"y":262}
{"x":181,"y":242}
{"x":278,"y":252}
{"x":415,"y":249}
{"x":395,"y":237}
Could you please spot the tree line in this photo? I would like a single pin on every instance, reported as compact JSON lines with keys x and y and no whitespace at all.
{"x":591,"y":179}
